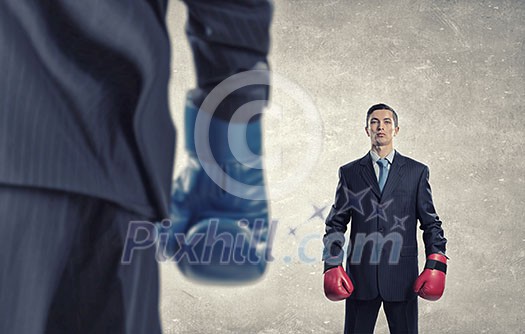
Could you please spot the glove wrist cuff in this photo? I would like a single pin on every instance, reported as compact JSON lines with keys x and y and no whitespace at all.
{"x":213,"y":139}
{"x":436,"y":265}
{"x":328,"y":266}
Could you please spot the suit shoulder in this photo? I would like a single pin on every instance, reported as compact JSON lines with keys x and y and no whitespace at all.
{"x":414,"y":163}
{"x":350,"y":165}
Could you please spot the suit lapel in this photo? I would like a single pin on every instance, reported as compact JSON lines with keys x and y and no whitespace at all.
{"x":368,"y":174}
{"x":394,"y":174}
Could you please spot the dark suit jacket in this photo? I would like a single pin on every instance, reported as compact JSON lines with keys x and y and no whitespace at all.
{"x":83,"y":90}
{"x":382,"y":253}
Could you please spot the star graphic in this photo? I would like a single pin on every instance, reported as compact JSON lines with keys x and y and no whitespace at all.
{"x":318,"y":212}
{"x":399,"y":223}
{"x":354,"y":200}
{"x":379,"y":210}
{"x":291,"y":231}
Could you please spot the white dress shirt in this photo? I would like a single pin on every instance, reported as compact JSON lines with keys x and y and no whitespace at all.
{"x":375,"y":157}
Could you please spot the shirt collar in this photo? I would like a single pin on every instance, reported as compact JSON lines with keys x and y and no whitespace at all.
{"x":389,"y":157}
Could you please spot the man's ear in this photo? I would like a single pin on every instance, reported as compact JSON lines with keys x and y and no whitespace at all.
{"x":366,"y":130}
{"x":396,"y":130}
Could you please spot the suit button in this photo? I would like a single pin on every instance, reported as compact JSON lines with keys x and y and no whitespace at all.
{"x":381,"y":229}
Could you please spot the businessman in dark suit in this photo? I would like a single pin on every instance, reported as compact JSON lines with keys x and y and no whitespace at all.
{"x":87,"y":145}
{"x":383,"y":194}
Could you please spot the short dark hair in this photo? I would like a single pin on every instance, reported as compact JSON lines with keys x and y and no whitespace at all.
{"x":380,"y":106}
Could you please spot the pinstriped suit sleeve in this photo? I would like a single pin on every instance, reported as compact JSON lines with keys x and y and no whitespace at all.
{"x":336,"y":225}
{"x":228,"y":37}
{"x":430,"y":223}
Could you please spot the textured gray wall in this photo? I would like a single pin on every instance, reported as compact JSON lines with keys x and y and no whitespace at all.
{"x":454,"y":71}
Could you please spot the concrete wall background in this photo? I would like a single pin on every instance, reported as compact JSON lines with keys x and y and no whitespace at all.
{"x":454,"y":71}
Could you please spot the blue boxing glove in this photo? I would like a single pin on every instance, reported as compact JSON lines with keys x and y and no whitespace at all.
{"x":219,"y":226}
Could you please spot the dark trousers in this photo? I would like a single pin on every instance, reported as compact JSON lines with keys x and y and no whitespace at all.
{"x":361,"y":316}
{"x":61,"y":271}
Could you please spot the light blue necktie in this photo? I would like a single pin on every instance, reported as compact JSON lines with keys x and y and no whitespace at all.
{"x":383,"y":172}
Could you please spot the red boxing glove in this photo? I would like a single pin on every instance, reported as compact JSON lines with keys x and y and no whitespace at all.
{"x":337,"y":284}
{"x":431,"y":283}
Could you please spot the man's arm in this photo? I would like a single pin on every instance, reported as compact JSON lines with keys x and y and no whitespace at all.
{"x":229,"y":37}
{"x":224,"y":176}
{"x":337,"y":284}
{"x":433,"y":235}
{"x":336,"y":225}
{"x":430,"y":284}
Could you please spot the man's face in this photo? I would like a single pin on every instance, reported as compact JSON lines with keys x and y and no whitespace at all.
{"x":381,"y":129}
